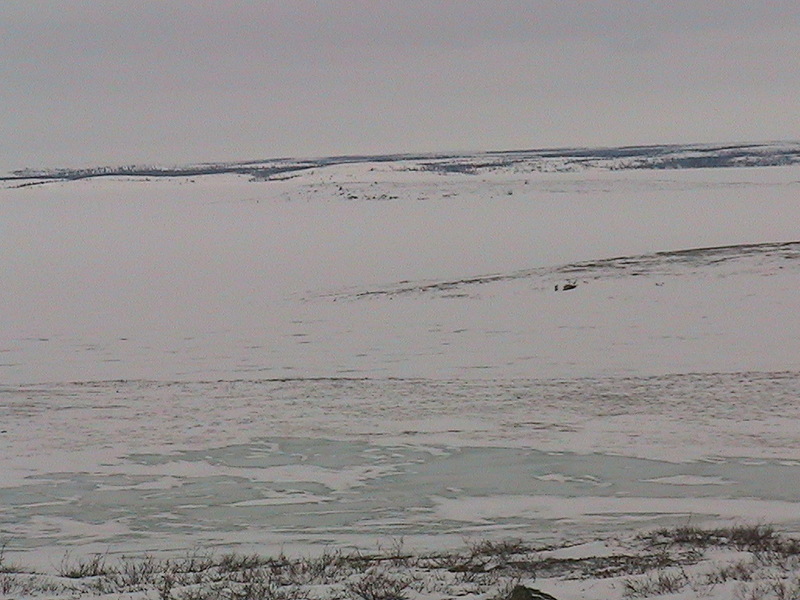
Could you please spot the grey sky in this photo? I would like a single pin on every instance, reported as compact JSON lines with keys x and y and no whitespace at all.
{"x":111,"y":82}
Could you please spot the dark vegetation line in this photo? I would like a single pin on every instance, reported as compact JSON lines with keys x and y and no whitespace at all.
{"x":640,"y":264}
{"x":625,"y":157}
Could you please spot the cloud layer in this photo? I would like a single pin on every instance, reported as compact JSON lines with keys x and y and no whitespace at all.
{"x":113,"y":82}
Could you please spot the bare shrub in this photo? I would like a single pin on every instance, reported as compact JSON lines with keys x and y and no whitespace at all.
{"x":753,"y":538}
{"x":330,"y":567}
{"x":502,"y":548}
{"x":8,"y":583}
{"x":785,"y":589}
{"x":17,"y":584}
{"x":485,"y":556}
{"x":653,"y":584}
{"x":165,"y":585}
{"x":95,"y":566}
{"x":239,"y":562}
{"x":196,"y":561}
{"x":136,"y":574}
{"x":379,"y":584}
{"x":742,"y":570}
{"x":252,"y":584}
{"x":755,"y":591}
{"x":4,"y":566}
{"x":214,"y":591}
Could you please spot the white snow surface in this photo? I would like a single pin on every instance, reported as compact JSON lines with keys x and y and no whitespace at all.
{"x":363,"y":351}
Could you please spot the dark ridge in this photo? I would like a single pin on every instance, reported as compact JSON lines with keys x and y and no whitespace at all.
{"x":642,"y":264}
{"x":627,"y":157}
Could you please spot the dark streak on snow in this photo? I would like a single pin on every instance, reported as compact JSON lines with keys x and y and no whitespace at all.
{"x":660,"y":263}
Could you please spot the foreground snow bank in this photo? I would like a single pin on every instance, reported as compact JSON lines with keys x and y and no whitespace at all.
{"x":687,"y":562}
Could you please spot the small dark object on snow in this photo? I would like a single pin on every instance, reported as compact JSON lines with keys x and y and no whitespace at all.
{"x":520,"y":592}
{"x":569,"y":285}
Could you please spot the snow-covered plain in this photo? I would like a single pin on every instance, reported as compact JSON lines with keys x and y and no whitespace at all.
{"x":361,"y":351}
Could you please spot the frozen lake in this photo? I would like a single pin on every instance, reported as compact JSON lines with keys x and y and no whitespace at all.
{"x":144,"y":466}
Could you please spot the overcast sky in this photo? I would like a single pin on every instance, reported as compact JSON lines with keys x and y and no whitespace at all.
{"x":89,"y":82}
